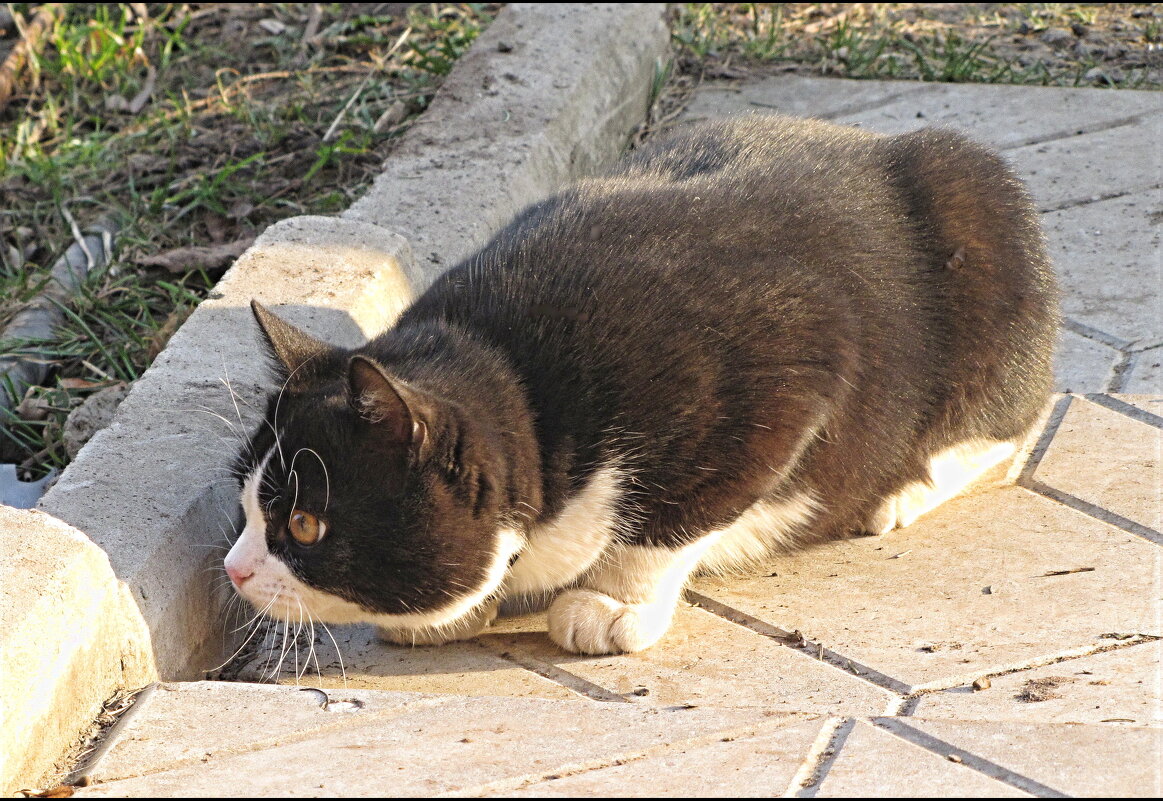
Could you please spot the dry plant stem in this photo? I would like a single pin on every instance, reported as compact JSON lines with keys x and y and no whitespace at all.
{"x":34,"y":35}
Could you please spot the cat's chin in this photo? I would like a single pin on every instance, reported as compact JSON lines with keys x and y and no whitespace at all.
{"x":463,"y":628}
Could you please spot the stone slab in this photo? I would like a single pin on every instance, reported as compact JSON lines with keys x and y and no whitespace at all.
{"x":1124,"y":685}
{"x":962,"y":592}
{"x":872,"y":763}
{"x":1102,"y":761}
{"x":1082,"y":364}
{"x":1008,"y":116}
{"x":266,"y":740}
{"x":1107,"y":256}
{"x":153,"y":490}
{"x":365,"y":662}
{"x":704,"y":659}
{"x":1146,"y":375}
{"x":1093,"y":166}
{"x":1107,"y":459}
{"x":70,"y":639}
{"x":549,"y":92}
{"x":1004,"y":116}
{"x":760,"y":765}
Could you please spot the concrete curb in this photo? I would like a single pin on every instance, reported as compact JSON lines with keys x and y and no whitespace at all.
{"x":70,"y":637}
{"x":532,"y":105}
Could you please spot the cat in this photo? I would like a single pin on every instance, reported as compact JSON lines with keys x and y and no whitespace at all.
{"x":750,"y":335}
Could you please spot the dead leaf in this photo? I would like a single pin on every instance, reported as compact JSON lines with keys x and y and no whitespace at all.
{"x":1043,"y":689}
{"x":1067,"y":572}
{"x":211,"y":258}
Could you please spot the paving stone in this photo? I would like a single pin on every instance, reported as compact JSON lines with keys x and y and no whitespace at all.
{"x":1080,"y":169}
{"x":1103,"y":761}
{"x":463,"y":668}
{"x":961,"y":592}
{"x":1147,"y":374}
{"x":763,"y":764}
{"x":1152,"y":404}
{"x":1107,"y":256}
{"x":1083,"y":365}
{"x":704,"y":659}
{"x":1107,"y":459}
{"x":188,"y":724}
{"x":797,"y":95}
{"x":1123,"y":685}
{"x":874,"y":764}
{"x":390,"y":744}
{"x":1007,"y":116}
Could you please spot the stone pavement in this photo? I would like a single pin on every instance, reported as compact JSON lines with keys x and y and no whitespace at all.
{"x":1006,"y":644}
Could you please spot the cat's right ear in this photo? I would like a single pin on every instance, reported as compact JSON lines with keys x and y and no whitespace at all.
{"x":397,"y":411}
{"x":289,"y":348}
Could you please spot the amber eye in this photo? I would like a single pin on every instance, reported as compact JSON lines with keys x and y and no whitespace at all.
{"x":306,"y":528}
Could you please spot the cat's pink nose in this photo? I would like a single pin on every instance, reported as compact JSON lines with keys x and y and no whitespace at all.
{"x":238,"y":574}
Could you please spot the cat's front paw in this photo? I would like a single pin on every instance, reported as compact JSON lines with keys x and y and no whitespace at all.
{"x":588,"y":622}
{"x":463,"y":628}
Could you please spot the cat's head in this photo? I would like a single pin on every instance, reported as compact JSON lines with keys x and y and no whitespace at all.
{"x":367,"y":499}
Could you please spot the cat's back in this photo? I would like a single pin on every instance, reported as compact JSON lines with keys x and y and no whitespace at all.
{"x":716,"y":279}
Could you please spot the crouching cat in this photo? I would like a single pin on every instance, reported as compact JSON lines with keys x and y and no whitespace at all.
{"x":756,"y":334}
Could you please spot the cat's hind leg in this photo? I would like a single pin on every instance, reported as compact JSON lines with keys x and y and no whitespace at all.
{"x":950,"y":472}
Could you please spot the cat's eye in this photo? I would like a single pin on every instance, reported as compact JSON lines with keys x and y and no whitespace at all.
{"x":306,"y":528}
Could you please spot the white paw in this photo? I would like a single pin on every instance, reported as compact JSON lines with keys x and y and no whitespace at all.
{"x":588,"y":622}
{"x":464,"y":628}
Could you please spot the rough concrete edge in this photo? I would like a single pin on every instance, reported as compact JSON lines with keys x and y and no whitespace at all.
{"x":555,"y":149}
{"x":97,"y":645}
{"x":547,"y":94}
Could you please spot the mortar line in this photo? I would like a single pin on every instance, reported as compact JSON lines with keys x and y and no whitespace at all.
{"x":559,"y":676}
{"x":111,"y":736}
{"x":1034,"y":663}
{"x":1049,"y":431}
{"x":817,"y":650}
{"x":918,"y":738}
{"x":1124,"y":408}
{"x":1094,"y":511}
{"x":1090,"y":332}
{"x":1074,"y":203}
{"x":860,"y":108}
{"x":1121,"y":371}
{"x":825,"y":750}
{"x":1067,"y":133}
{"x":1139,"y":347}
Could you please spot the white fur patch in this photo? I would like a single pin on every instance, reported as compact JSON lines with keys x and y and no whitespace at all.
{"x":765,"y":526}
{"x":559,"y":551}
{"x":273,"y":588}
{"x":950,"y":472}
{"x":632,"y":592}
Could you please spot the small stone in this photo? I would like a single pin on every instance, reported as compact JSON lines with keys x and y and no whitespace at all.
{"x":982,"y":684}
{"x":954,"y":758}
{"x":1057,"y":37}
{"x":1079,"y":29}
{"x":504,"y":47}
{"x":91,"y":416}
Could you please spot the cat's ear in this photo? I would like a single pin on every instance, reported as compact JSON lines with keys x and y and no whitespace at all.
{"x":289,"y":347}
{"x":396,"y":410}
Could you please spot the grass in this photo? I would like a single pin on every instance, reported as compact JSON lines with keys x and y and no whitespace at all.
{"x":1107,"y":45}
{"x":190,"y":125}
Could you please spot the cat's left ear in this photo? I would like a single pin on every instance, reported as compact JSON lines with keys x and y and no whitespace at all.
{"x":397,"y":411}
{"x":289,"y":347}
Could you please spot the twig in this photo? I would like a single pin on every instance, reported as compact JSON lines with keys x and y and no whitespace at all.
{"x":46,"y":17}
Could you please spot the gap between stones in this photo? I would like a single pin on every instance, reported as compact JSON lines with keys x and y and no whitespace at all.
{"x":905,"y":732}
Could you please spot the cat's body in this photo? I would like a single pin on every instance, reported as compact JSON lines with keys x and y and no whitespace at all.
{"x":761,"y":333}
